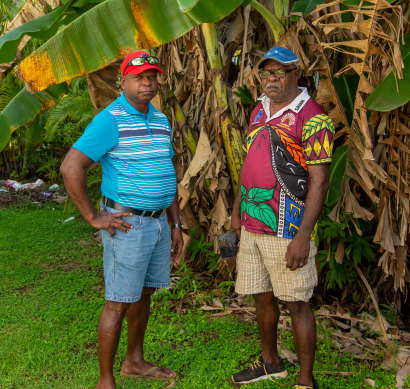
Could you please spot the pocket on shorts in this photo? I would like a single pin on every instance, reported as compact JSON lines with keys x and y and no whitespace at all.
{"x":134,"y":220}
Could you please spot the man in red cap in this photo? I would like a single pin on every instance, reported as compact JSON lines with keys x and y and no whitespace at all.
{"x":132,"y":140}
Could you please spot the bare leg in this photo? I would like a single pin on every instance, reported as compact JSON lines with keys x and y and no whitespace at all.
{"x":267,"y":314}
{"x":137,"y":319}
{"x":109,"y":330}
{"x":304,"y":333}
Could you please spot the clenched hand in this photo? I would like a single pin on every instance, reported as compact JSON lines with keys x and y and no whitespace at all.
{"x":297,"y":253}
{"x":177,"y":243}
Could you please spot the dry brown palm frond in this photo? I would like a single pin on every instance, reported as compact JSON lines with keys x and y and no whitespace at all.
{"x":378,"y":158}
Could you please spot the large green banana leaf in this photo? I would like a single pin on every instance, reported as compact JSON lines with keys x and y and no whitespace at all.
{"x":386,"y":97}
{"x":43,"y":27}
{"x":336,"y":174}
{"x":346,"y":88}
{"x":25,"y":107}
{"x":112,"y":29}
{"x":306,"y":6}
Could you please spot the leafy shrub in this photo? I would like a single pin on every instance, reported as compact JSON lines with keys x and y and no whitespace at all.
{"x":38,"y":149}
{"x":345,"y":245}
{"x":198,"y":246}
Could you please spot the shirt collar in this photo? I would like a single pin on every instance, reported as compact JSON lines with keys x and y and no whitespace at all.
{"x":296,"y":105}
{"x":132,"y":110}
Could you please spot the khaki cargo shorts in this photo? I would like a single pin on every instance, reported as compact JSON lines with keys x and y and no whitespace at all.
{"x":261,"y":268}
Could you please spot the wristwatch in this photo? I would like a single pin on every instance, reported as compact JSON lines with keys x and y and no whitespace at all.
{"x":177,"y":225}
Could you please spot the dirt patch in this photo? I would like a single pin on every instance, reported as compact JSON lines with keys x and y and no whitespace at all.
{"x":34,"y":196}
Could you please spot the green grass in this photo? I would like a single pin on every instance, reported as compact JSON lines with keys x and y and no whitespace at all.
{"x":51,"y":295}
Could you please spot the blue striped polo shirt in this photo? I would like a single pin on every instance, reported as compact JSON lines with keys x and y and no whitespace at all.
{"x":135,"y":154}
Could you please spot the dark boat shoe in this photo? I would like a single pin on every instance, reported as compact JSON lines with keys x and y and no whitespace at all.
{"x":258,"y":371}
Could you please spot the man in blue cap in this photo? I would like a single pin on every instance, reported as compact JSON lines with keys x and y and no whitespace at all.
{"x":281,"y":192}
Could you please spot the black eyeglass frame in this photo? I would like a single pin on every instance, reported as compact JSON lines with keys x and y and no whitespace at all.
{"x":146,"y":59}
{"x":283,"y":72}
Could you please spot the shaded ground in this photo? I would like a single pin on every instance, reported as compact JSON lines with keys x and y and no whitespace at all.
{"x":37,"y":196}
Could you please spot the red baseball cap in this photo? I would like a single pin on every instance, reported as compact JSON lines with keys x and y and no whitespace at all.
{"x":126,"y":67}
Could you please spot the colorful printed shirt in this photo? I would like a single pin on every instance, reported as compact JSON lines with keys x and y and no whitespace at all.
{"x":275,"y":179}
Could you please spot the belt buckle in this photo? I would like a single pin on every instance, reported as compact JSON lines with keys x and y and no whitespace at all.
{"x":157,"y":214}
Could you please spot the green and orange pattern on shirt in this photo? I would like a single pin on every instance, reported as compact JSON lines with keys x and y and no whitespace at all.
{"x":275,"y":177}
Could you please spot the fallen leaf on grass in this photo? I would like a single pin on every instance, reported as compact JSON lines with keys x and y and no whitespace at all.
{"x":221,"y":314}
{"x":229,"y":310}
{"x":353,"y":349}
{"x":216,"y":302}
{"x":338,"y":323}
{"x":289,"y":355}
{"x":341,"y":373}
{"x":401,"y":376}
{"x":404,"y":355}
{"x":396,"y":361}
{"x":211,"y":308}
{"x":58,"y":199}
{"x":376,"y":325}
{"x":354,"y":332}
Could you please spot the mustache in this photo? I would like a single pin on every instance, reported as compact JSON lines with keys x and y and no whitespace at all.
{"x":273,"y":85}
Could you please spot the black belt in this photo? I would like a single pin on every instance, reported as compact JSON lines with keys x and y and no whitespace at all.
{"x":112,"y":204}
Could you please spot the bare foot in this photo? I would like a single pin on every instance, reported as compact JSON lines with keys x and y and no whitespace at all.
{"x":105,"y":384}
{"x":146,"y":370}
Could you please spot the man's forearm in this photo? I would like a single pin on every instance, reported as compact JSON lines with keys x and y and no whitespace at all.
{"x":173,"y":211}
{"x":75,"y":180}
{"x":77,"y":189}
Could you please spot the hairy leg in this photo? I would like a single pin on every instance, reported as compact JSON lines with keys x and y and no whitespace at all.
{"x":304,"y":333}
{"x":267,"y":314}
{"x":137,"y":320}
{"x":109,"y":330}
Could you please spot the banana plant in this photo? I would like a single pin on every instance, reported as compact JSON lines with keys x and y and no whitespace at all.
{"x":92,"y":41}
{"x":231,"y":134}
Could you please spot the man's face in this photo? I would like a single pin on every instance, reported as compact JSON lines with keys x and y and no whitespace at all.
{"x":280,"y":89}
{"x":140,"y":88}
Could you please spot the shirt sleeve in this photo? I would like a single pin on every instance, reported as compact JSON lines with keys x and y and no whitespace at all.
{"x":100,"y":136}
{"x":317,"y":140}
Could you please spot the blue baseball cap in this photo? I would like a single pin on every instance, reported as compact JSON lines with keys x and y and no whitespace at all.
{"x":281,"y":55}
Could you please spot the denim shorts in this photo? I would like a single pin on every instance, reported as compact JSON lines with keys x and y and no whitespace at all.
{"x":137,"y":259}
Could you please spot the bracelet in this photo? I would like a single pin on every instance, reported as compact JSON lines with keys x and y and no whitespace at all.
{"x":177,"y":225}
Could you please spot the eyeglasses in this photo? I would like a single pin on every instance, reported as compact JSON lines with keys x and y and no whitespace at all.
{"x":280,"y":73}
{"x":141,"y":60}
